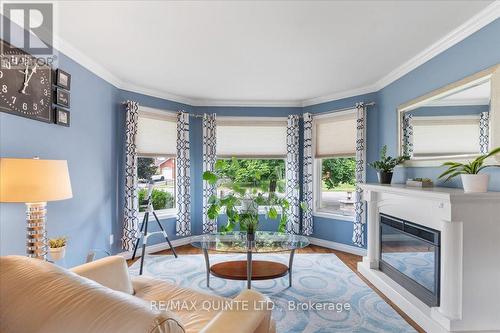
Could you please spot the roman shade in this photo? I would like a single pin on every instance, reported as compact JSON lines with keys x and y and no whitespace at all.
{"x":249,"y":137}
{"x":455,"y":135}
{"x":335,"y":135}
{"x":156,"y":134}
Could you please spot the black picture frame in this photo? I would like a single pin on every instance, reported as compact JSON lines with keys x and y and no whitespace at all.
{"x":63,"y":79}
{"x":62,"y":98}
{"x":62,"y":117}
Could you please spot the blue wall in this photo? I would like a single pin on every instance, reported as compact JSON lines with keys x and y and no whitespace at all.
{"x":475,"y":53}
{"x":89,"y":145}
{"x":93,"y":146}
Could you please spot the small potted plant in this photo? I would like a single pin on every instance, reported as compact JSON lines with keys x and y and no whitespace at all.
{"x":385,"y":166}
{"x":472,"y":180}
{"x":57,"y":248}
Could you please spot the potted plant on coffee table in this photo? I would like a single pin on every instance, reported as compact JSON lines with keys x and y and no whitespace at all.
{"x":472,"y":180}
{"x":385,"y":166}
{"x":57,"y":248}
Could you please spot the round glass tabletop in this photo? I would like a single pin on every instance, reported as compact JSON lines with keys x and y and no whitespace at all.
{"x":265,"y":242}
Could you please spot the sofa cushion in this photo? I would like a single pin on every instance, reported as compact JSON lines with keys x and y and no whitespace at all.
{"x":194,"y":309}
{"x":37,"y":296}
{"x":111,"y":272}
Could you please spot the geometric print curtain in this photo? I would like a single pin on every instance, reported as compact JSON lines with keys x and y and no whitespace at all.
{"x":407,"y":135}
{"x":484,"y":132}
{"x":292,"y":174}
{"x":209,"y":159}
{"x":307,"y":186}
{"x":130,"y":211}
{"x":359,"y":207}
{"x":183,"y":177}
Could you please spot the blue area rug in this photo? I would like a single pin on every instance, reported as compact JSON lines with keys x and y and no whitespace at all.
{"x":317,"y":278}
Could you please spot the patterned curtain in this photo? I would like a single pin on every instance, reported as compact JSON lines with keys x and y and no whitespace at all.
{"x":407,"y":134}
{"x":292,"y":174}
{"x":209,"y":159}
{"x":359,"y":219}
{"x":484,"y":132}
{"x":130,"y":210}
{"x":307,"y":219}
{"x":183,"y":177}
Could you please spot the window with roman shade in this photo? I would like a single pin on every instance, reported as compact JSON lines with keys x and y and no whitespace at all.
{"x":156,"y":134}
{"x":457,"y":135}
{"x":335,"y":135}
{"x":156,"y":143}
{"x":251,"y":137}
{"x":334,"y":149}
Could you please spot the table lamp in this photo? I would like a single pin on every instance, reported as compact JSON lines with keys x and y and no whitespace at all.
{"x":34,"y":182}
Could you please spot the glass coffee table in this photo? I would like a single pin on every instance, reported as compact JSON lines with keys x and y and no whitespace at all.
{"x":236,"y":242}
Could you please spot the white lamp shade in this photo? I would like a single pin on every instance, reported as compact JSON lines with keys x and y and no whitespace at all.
{"x":33,"y":180}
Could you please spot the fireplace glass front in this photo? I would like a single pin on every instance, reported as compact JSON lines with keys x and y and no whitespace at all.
{"x":409,"y":254}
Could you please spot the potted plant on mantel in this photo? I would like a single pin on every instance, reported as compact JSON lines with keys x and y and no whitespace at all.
{"x":385,"y":166}
{"x":242,"y":208}
{"x":57,"y":248}
{"x":472,"y":180}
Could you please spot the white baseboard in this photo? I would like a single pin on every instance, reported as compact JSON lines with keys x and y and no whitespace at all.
{"x":156,"y":247}
{"x":338,"y":246}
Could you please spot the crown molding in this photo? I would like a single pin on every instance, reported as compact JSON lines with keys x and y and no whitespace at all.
{"x":474,"y":24}
{"x":156,"y":93}
{"x":478,"y":21}
{"x":339,"y":95}
{"x":83,"y":60}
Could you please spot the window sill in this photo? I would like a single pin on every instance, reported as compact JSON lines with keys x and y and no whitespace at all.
{"x":263,"y":210}
{"x":333,"y":216}
{"x":162,"y":215}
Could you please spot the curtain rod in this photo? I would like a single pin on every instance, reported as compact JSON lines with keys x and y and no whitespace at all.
{"x":195,"y":115}
{"x":342,"y":109}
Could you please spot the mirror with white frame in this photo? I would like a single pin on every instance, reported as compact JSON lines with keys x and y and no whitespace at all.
{"x":457,"y":122}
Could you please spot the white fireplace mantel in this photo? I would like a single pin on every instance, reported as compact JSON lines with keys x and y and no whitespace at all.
{"x":470,"y":254}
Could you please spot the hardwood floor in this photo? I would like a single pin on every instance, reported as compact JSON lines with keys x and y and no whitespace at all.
{"x":350,"y":260}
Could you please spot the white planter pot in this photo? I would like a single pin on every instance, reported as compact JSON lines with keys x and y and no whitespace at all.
{"x":475,"y":183}
{"x":57,"y":253}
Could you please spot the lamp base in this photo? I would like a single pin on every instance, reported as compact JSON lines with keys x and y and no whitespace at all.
{"x":36,"y":235}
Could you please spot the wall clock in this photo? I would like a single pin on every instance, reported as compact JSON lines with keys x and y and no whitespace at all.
{"x":25,"y":85}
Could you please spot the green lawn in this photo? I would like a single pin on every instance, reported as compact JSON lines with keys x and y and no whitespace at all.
{"x":340,"y":188}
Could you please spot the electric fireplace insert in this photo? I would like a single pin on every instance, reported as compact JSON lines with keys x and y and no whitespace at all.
{"x":410,"y":255}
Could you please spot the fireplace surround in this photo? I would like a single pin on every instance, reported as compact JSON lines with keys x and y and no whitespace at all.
{"x":469,"y":244}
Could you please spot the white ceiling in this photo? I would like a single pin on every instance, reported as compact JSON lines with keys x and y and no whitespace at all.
{"x":270,"y":52}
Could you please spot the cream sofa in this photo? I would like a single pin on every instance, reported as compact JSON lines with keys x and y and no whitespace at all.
{"x":101,"y":297}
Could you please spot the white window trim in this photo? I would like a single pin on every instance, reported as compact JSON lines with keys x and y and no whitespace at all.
{"x":317,"y":211}
{"x":162,"y":214}
{"x":321,"y":212}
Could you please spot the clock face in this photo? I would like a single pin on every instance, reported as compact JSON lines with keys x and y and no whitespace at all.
{"x":26,"y":87}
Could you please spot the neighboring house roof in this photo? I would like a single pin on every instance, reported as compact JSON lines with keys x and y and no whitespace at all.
{"x":163,"y":164}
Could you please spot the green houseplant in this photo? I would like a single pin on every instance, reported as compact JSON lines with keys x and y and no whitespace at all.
{"x":472,"y":179}
{"x":242,"y":206}
{"x":385,"y":166}
{"x":57,"y":248}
